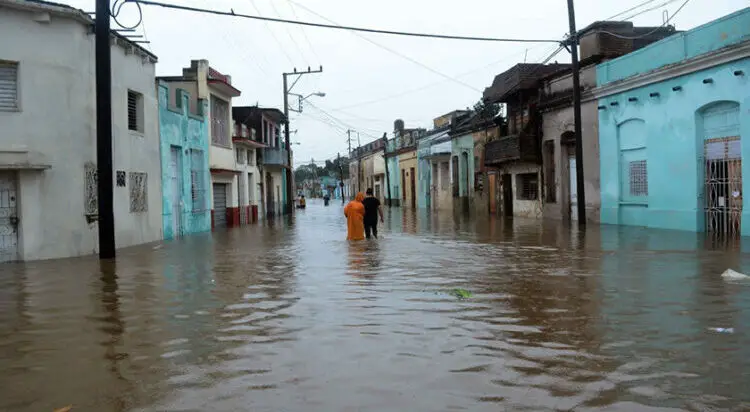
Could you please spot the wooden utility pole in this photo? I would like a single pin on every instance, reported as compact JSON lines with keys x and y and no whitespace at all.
{"x":341,"y":177}
{"x":573,"y":42}
{"x":387,"y":176}
{"x":105,"y":191}
{"x":287,"y":89}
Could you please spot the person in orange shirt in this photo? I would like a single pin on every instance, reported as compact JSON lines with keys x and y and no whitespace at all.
{"x":355,"y":218}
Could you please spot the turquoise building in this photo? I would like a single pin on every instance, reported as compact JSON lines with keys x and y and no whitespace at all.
{"x":674,"y":124}
{"x":184,"y":164}
{"x":391,"y":158}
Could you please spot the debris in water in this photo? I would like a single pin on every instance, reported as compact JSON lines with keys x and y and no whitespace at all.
{"x":731,"y":274}
{"x":461,"y":293}
{"x":64,"y":409}
{"x":722,"y":330}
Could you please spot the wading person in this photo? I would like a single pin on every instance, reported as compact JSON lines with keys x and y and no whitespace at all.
{"x":373,"y":210}
{"x":355,"y":215}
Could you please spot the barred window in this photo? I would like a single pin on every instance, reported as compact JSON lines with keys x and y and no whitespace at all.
{"x":527,"y":186}
{"x":197,"y":180}
{"x":135,"y":111}
{"x":90,"y":191}
{"x":638,"y":177}
{"x":138,"y":192}
{"x":8,"y":85}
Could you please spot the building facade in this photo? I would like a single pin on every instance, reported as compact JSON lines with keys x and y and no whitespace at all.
{"x":672,"y":124}
{"x":559,"y":187}
{"x":206,"y":83}
{"x":515,"y":156}
{"x":393,"y":197}
{"x":272,"y":160}
{"x":246,"y":147}
{"x":48,"y":172}
{"x":183,"y":132}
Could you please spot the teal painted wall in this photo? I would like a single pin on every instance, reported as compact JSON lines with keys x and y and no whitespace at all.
{"x":460,"y":145}
{"x":394,"y":179}
{"x":179,"y":128}
{"x":712,"y":36}
{"x":668,"y":132}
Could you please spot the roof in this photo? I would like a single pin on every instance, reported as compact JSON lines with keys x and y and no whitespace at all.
{"x":243,"y":114}
{"x":73,"y":13}
{"x":522,"y":76}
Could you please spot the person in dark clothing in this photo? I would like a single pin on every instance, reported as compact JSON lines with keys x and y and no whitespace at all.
{"x":372,"y":211}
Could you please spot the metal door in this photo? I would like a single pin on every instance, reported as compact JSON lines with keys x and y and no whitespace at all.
{"x":573,"y":184}
{"x":507,"y":186}
{"x":220,"y":204}
{"x":175,"y":196}
{"x":723,"y":190}
{"x":8,"y":218}
{"x":413,"y":188}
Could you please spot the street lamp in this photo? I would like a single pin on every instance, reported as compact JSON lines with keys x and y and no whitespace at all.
{"x":301,"y":99}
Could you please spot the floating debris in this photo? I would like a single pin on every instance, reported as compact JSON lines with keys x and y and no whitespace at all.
{"x":722,"y":330}
{"x":64,"y":409}
{"x":734,"y":275}
{"x":461,"y":293}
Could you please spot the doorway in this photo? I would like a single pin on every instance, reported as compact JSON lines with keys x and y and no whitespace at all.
{"x":403,"y":185}
{"x":573,"y":185}
{"x":723,"y":186}
{"x":220,"y":204}
{"x":8,"y":218}
{"x":413,"y":188}
{"x":507,"y":187}
{"x":175,"y":195}
{"x":492,"y":192}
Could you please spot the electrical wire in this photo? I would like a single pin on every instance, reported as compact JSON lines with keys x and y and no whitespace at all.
{"x":630,"y":9}
{"x":652,"y":31}
{"x":276,"y":39}
{"x":337,"y":27}
{"x":289,"y":32}
{"x":117,"y":8}
{"x":304,"y":32}
{"x":658,"y":6}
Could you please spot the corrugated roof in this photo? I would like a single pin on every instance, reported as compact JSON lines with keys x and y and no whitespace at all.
{"x":522,"y":76}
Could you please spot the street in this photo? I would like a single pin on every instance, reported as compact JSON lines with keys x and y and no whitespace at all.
{"x":289,"y":316}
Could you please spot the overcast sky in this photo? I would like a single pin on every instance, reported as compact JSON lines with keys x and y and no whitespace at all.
{"x":370,"y":80}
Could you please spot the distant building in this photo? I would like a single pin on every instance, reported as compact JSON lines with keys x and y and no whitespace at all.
{"x":673,"y":125}
{"x":48,"y":172}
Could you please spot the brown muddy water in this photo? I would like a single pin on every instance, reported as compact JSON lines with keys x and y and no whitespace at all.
{"x":291,"y":317}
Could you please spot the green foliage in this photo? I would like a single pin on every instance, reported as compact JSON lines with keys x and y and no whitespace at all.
{"x":331,"y":168}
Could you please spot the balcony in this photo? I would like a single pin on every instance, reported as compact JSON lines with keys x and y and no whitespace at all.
{"x":274,"y":156}
{"x":519,"y":147}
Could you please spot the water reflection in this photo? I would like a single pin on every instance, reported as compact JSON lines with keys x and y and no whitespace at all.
{"x":288,"y":315}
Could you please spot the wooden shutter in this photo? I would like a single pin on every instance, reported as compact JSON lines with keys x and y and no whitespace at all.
{"x":8,"y":86}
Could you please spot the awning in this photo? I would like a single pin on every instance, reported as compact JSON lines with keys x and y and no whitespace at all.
{"x":243,"y":141}
{"x":218,"y":171}
{"x":22,"y":159}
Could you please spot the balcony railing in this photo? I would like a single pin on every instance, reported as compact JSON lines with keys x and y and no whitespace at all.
{"x":519,"y":147}
{"x":274,"y":156}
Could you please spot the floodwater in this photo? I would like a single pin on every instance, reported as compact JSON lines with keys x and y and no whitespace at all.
{"x":291,"y":317}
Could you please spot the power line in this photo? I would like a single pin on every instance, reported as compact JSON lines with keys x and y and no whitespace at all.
{"x":632,"y":16}
{"x":283,"y":50}
{"x":289,"y":32}
{"x":630,"y":9}
{"x":337,"y":27}
{"x":652,"y":31}
{"x":304,"y":32}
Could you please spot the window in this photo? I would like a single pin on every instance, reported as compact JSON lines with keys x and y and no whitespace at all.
{"x":445,"y":176}
{"x":8,"y":86}
{"x":550,"y":189}
{"x":527,"y":186}
{"x":135,"y":111}
{"x":638,"y":178}
{"x":240,"y":156}
{"x":476,"y":164}
{"x":251,"y":157}
{"x":90,"y":191}
{"x":219,"y":122}
{"x":197,"y":180}
{"x":138,"y":192}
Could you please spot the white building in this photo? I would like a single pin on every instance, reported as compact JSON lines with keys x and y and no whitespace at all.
{"x":245,"y":147}
{"x":48,"y":192}
{"x":204,"y":82}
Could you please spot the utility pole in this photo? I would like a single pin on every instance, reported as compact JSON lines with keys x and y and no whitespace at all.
{"x":287,"y":89}
{"x":580,"y":191}
{"x":387,"y":176}
{"x":341,"y":177}
{"x":103,"y":62}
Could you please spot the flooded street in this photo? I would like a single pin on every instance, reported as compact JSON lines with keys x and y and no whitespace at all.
{"x":291,"y":317}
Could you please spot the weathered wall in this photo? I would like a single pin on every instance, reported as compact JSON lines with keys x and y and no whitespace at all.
{"x":521,"y":207}
{"x":179,"y":128}
{"x":56,"y":124}
{"x":394,"y":177}
{"x":442,"y":196}
{"x":406,"y":162}
{"x":672,"y":134}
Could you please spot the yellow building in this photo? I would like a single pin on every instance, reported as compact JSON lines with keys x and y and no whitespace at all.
{"x":407,"y":162}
